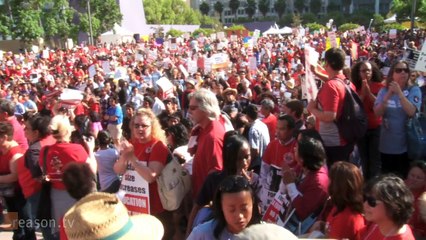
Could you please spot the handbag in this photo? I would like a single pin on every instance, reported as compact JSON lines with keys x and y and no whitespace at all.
{"x":173,"y":184}
{"x":416,"y":137}
{"x":44,"y":210}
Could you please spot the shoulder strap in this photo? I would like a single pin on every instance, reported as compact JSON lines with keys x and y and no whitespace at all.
{"x":46,"y":149}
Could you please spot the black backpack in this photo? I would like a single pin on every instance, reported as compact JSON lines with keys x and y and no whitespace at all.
{"x":352,"y":123}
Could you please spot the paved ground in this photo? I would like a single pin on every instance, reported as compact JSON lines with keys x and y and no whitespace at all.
{"x":6,"y":235}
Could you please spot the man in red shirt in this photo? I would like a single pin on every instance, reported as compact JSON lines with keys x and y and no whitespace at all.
{"x":328,"y":107}
{"x":206,"y":139}
{"x":266,"y":109}
{"x":7,"y":113}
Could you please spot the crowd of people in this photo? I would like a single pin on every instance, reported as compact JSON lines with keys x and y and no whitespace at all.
{"x":243,"y":130}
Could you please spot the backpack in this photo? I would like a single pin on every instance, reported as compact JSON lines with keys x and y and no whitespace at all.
{"x":352,"y":123}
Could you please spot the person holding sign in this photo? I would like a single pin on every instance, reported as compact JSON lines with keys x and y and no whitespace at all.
{"x":141,"y":161}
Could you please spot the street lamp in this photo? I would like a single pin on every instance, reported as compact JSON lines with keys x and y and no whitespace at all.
{"x":413,"y":15}
{"x":90,"y":23}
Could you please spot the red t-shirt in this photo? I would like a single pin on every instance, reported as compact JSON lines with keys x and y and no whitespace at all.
{"x":373,"y":120}
{"x":18,"y":133}
{"x":372,"y":232}
{"x":28,"y":184}
{"x":58,"y":156}
{"x":208,"y":156}
{"x":345,"y":224}
{"x":6,"y":157}
{"x":152,"y":151}
{"x":271,"y":123}
{"x":277,"y":153}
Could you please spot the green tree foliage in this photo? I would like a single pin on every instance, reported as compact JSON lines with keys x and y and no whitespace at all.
{"x":348,"y":26}
{"x":309,"y":18}
{"x":204,"y":8}
{"x":389,"y":26}
{"x":361,"y":17}
{"x":263,"y":7}
{"x":378,"y":22}
{"x":236,"y":28}
{"x":333,"y":7}
{"x":203,"y":31}
{"x":315,"y":6}
{"x":251,"y":8}
{"x":315,"y":26}
{"x":280,"y":6}
{"x":299,"y":5}
{"x":104,"y":13}
{"x":28,"y":25}
{"x":296,"y":21}
{"x":346,"y":5}
{"x":402,"y":8}
{"x":234,"y":5}
{"x":174,"y":33}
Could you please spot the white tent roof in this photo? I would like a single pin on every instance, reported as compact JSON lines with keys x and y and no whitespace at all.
{"x":391,"y":19}
{"x":272,"y":30}
{"x":286,"y":30}
{"x":118,"y":30}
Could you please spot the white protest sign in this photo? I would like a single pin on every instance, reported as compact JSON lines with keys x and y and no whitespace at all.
{"x":70,"y":97}
{"x":348,"y":61}
{"x":234,"y":38}
{"x":252,"y":63}
{"x":106,"y":67}
{"x":183,"y":70}
{"x":192,"y":66}
{"x":392,"y":33}
{"x":70,"y":43}
{"x":166,"y":86}
{"x":309,"y":86}
{"x":92,"y":71}
{"x":139,"y":57}
{"x":1,"y":55}
{"x":220,"y":35}
{"x":134,"y":191}
{"x":421,"y":61}
{"x":208,"y":64}
{"x":213,"y":36}
{"x":256,"y":33}
{"x":35,"y":49}
{"x":45,"y":54}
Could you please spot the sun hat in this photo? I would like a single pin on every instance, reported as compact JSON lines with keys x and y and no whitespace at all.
{"x":265,"y":231}
{"x":103,"y":216}
{"x":229,"y":90}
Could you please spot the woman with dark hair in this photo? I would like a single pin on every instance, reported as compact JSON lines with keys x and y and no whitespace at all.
{"x":388,"y":205}
{"x":82,"y":126}
{"x":367,"y":80}
{"x":235,"y":208}
{"x":236,"y":161}
{"x":345,"y":219}
{"x":416,"y":182}
{"x":29,"y":170}
{"x":106,"y":157}
{"x":396,"y":102}
{"x":313,"y":184}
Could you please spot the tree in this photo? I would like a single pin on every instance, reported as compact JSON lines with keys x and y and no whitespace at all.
{"x":263,"y":7}
{"x":234,"y":5}
{"x":204,"y":8}
{"x":296,"y":21}
{"x":309,"y":18}
{"x":315,"y":6}
{"x":57,"y":20}
{"x":402,"y":9}
{"x":280,"y":6}
{"x":28,"y":26}
{"x":251,"y":8}
{"x":218,"y":7}
{"x":299,"y":5}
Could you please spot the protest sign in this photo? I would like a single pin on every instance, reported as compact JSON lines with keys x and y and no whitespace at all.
{"x":392,"y":33}
{"x":234,"y":38}
{"x":167,"y":86}
{"x":309,"y":86}
{"x":332,"y":39}
{"x":45,"y":54}
{"x":208,"y":62}
{"x":134,"y":191}
{"x":192,"y":66}
{"x":252,"y":63}
{"x":183,"y":70}
{"x":106,"y":67}
{"x":220,"y":35}
{"x":411,"y":56}
{"x":348,"y":61}
{"x":219,"y":60}
{"x":328,"y":43}
{"x":421,"y":61}
{"x":69,"y":98}
{"x":92,"y":71}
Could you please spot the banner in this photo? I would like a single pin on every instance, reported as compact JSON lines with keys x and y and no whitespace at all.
{"x":421,"y":61}
{"x":309,"y":86}
{"x":219,"y":60}
{"x":392,"y":33}
{"x":332,"y":38}
{"x":134,"y":191}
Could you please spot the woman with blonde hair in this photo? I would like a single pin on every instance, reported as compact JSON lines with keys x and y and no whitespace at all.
{"x":147,"y":153}
{"x":58,"y":156}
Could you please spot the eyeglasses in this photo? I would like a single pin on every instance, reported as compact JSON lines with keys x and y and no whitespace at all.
{"x":399,"y":70}
{"x":371,"y":201}
{"x":143,"y":126}
{"x":234,"y":184}
{"x":193,"y":107}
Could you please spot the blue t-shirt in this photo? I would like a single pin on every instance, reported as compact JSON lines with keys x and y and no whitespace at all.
{"x":115,"y":111}
{"x":205,"y":232}
{"x":393,"y":134}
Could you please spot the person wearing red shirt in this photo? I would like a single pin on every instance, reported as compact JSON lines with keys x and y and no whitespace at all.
{"x":388,"y":205}
{"x":367,"y":80}
{"x":29,"y":171}
{"x":279,"y":152}
{"x":206,"y":140}
{"x":416,"y":182}
{"x":328,"y":106}
{"x":148,"y":146}
{"x":10,"y":191}
{"x":57,"y":157}
{"x":266,"y":109}
{"x":7,"y":113}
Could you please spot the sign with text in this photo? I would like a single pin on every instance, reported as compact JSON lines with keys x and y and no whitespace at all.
{"x":309,"y":86}
{"x":421,"y":61}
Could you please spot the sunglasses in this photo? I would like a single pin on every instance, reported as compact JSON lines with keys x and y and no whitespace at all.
{"x":234,"y":184}
{"x":400,"y":70}
{"x":371,"y":201}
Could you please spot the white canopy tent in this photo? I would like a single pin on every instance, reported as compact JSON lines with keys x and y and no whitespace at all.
{"x":117,"y":35}
{"x":391,"y":19}
{"x":285,"y":30}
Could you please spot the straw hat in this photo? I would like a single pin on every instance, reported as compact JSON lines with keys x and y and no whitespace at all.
{"x":290,"y":83}
{"x":265,"y":231}
{"x":190,"y":81}
{"x":229,"y":90}
{"x":103,"y":216}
